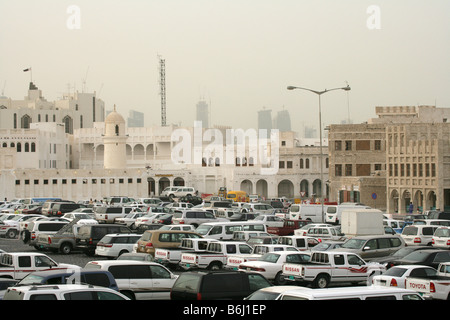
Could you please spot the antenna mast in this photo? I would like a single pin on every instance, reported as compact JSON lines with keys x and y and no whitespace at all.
{"x":162,"y":84}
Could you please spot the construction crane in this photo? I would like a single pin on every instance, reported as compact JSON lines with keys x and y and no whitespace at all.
{"x":162,"y":85}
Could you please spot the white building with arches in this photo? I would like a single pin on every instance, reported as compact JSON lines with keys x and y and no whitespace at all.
{"x":112,"y":159}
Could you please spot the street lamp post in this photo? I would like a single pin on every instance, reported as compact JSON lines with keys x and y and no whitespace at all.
{"x":319,"y":93}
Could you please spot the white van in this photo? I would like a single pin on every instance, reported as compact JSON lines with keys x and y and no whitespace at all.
{"x":225,"y":230}
{"x":312,"y":212}
{"x":351,"y":293}
{"x":333,"y":213}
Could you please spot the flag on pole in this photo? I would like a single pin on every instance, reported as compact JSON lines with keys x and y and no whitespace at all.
{"x":25,"y":70}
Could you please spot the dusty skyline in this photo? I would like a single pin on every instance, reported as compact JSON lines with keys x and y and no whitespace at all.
{"x":238,"y":55}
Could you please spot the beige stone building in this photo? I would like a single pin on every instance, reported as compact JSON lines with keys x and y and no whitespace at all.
{"x":397,"y":162}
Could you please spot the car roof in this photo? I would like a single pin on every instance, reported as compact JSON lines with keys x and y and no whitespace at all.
{"x":65,"y":271}
{"x":120,"y":262}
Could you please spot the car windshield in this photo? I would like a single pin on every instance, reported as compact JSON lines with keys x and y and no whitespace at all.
{"x":203,"y":229}
{"x":417,"y":256}
{"x":395,"y":272}
{"x":354,"y":244}
{"x":410,"y":231}
{"x":442,"y":232}
{"x":83,"y":216}
{"x":277,"y":204}
{"x":261,"y":295}
{"x":270,"y":257}
{"x":30,"y":279}
{"x":402,"y":252}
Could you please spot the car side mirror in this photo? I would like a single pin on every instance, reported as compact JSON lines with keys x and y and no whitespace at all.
{"x":366,"y":248}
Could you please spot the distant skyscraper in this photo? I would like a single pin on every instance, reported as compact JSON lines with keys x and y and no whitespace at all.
{"x":203,"y":113}
{"x":283,"y":121}
{"x":265,"y":119}
{"x":135,"y":119}
{"x":310,"y":132}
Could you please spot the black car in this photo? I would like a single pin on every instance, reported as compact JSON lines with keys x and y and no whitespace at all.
{"x":148,"y":226}
{"x":191,"y":199}
{"x":94,"y":277}
{"x":430,"y":257}
{"x":217,"y":285}
{"x":165,"y":219}
{"x":439,"y":215}
{"x":59,"y":209}
{"x":399,"y":254}
{"x":242,"y":216}
{"x":90,"y":234}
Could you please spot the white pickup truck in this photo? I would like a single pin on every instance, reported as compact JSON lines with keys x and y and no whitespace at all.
{"x":302,"y":243}
{"x":331,"y":267}
{"x":171,"y":257}
{"x":233,"y":261}
{"x":215,"y":256}
{"x":432,"y":288}
{"x":17,"y":265}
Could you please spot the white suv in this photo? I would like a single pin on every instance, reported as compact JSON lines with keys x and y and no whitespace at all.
{"x":418,"y":235}
{"x":261,"y":208}
{"x":113,"y":245}
{"x":441,"y":238}
{"x":63,"y":292}
{"x":137,"y":279}
{"x":195,"y":217}
{"x":169,"y":192}
{"x":184,"y":192}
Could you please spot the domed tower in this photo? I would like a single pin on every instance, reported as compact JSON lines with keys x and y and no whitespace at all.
{"x":114,"y":141}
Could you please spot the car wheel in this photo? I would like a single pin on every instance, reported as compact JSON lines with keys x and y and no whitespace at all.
{"x":214,"y":266}
{"x":280,"y":279}
{"x":11,"y":233}
{"x":321,"y":281}
{"x":66,"y":248}
{"x":25,"y":236}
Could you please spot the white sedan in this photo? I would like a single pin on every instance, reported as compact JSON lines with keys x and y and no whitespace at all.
{"x":270,"y":265}
{"x":85,"y":218}
{"x":396,"y":276}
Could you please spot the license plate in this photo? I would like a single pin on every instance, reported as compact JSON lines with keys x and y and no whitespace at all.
{"x":291,"y":277}
{"x":187,"y":265}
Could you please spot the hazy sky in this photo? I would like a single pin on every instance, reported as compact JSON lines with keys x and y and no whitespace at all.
{"x":239,"y":55}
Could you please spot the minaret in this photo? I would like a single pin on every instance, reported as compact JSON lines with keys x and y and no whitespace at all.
{"x":114,"y":141}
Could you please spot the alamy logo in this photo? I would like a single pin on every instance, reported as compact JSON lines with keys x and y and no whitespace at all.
{"x":257,"y":148}
{"x":374,"y":20}
{"x":74,"y":20}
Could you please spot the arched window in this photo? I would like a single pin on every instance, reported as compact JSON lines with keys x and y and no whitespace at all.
{"x":68,"y":124}
{"x":117,"y":129}
{"x":27,"y":147}
{"x":33,"y":147}
{"x":25,"y":122}
{"x":307,"y":163}
{"x":301,"y":163}
{"x":5,"y":144}
{"x":19,"y":147}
